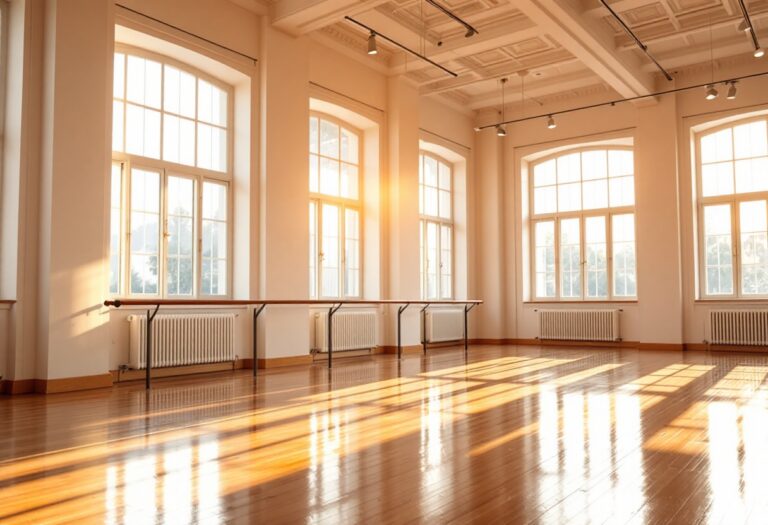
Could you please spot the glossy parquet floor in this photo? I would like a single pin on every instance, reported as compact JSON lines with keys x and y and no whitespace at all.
{"x":513,"y":435}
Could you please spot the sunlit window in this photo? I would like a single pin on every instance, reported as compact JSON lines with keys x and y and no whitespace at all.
{"x":435,"y":227}
{"x":169,"y":205}
{"x":583,"y":225}
{"x":733,"y":221}
{"x":335,"y":241}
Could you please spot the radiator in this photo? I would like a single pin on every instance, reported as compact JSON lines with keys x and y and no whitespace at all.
{"x":579,"y":325}
{"x":738,"y":327}
{"x":351,"y":331}
{"x":443,"y":325}
{"x":182,"y":339}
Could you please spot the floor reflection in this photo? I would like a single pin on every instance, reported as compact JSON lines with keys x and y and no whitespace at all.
{"x":545,"y":436}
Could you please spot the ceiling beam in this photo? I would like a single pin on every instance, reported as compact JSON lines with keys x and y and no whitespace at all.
{"x":299,"y":17}
{"x":592,"y":43}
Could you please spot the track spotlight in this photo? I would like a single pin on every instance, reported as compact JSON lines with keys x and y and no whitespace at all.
{"x":711,"y":92}
{"x":470,"y":32}
{"x":477,"y":128}
{"x":731,"y":91}
{"x":759,"y":52}
{"x":551,"y":124}
{"x":501,"y":131}
{"x":743,"y":26}
{"x":372,"y":48}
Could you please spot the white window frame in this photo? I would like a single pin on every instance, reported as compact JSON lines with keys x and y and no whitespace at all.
{"x":733,"y":201}
{"x":343,"y":204}
{"x":128,"y":161}
{"x":440,"y":222}
{"x":581,"y":215}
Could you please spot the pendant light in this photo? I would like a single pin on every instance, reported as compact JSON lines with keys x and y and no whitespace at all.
{"x":501,"y":131}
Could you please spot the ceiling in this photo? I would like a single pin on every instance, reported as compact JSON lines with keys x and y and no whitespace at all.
{"x":560,"y":47}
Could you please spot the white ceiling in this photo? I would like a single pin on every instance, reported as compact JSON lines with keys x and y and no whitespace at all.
{"x":560,"y":46}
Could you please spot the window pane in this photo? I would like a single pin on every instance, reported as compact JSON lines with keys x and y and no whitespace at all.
{"x":180,"y":236}
{"x":145,"y":231}
{"x":596,"y":194}
{"x":752,"y":175}
{"x":716,"y":147}
{"x":624,"y":258}
{"x":329,"y":139}
{"x":118,"y":78}
{"x":570,"y":258}
{"x":596,"y":276}
{"x":545,"y":199}
{"x":115,"y":229}
{"x":622,"y":191}
{"x":313,"y":135}
{"x":214,"y":238}
{"x":329,"y":176}
{"x":569,"y":197}
{"x":717,"y":248}
{"x":312,"y":249}
{"x":432,"y":260}
{"x":118,"y":123}
{"x":143,"y":81}
{"x":179,"y":140}
{"x":569,"y":168}
{"x":717,"y":179}
{"x":620,"y":162}
{"x":750,"y":140}
{"x":544,"y":173}
{"x":594,"y":165}
{"x":331,"y":266}
{"x":444,"y":177}
{"x":142,"y":130}
{"x":422,"y":259}
{"x":430,"y":201}
{"x":352,"y":253}
{"x":446,"y":262}
{"x":545,"y":259}
{"x":314,"y":173}
{"x":430,"y":171}
{"x":754,"y":247}
{"x":445,"y":204}
{"x":179,"y":96}
{"x":349,"y":146}
{"x":211,"y":104}
{"x":349,"y":181}
{"x":211,"y":147}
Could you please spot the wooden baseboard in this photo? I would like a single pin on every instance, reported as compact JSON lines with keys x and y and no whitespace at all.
{"x":171,"y":371}
{"x":407,"y":349}
{"x":665,"y":347}
{"x":275,"y":362}
{"x":727,"y":348}
{"x":70,"y":384}
{"x":19,"y":386}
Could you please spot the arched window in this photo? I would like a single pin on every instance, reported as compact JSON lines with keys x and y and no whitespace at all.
{"x":170,"y":199}
{"x":435,"y":227}
{"x":583,"y":225}
{"x":732,"y":190}
{"x":335,"y":211}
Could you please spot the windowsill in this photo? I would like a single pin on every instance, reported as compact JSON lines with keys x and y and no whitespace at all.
{"x":617,"y":301}
{"x":731,"y":300}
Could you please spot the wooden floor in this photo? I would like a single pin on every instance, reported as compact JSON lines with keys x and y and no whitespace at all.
{"x":513,"y":435}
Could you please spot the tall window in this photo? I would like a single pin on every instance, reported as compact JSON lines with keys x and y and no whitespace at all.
{"x":435,"y":227}
{"x":335,"y":227}
{"x":733,"y":221}
{"x":583,"y":225}
{"x":169,"y":204}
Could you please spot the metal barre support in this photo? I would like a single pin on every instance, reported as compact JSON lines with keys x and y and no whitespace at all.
{"x":424,"y":328}
{"x":467,"y":308}
{"x":256,"y":313}
{"x":400,"y":310}
{"x":150,"y":317}
{"x":332,"y":310}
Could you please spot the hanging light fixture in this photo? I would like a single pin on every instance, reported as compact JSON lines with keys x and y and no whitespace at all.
{"x":759,"y":52}
{"x":372,"y":47}
{"x":501,"y":131}
{"x":551,"y":124}
{"x":711,"y":92}
{"x":731,"y":90}
{"x":743,"y":26}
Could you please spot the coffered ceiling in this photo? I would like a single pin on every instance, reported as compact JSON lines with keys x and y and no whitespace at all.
{"x":561,"y":47}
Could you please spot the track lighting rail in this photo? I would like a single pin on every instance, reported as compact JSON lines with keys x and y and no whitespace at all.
{"x":401,"y":46}
{"x":750,"y":27}
{"x":639,"y":43}
{"x":728,"y":81}
{"x":470,"y":30}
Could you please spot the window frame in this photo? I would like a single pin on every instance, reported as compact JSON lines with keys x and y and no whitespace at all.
{"x":129,"y":161}
{"x":582,"y":215}
{"x":733,"y":201}
{"x":343,"y":203}
{"x":424,"y":220}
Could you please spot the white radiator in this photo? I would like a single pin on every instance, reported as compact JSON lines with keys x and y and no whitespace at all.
{"x":443,"y":325}
{"x":738,"y":327}
{"x":351,"y":331}
{"x":579,"y":325}
{"x":182,"y":339}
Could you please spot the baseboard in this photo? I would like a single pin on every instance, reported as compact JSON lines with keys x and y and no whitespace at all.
{"x":275,"y":362}
{"x":19,"y":386}
{"x":729,"y":348}
{"x":172,"y":371}
{"x":71,"y":384}
{"x":665,"y":347}
{"x":407,"y":349}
